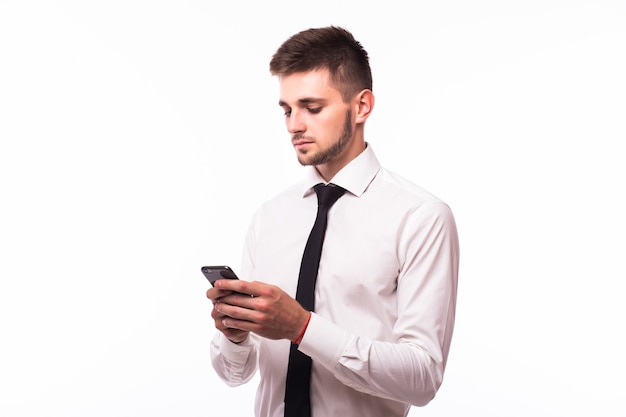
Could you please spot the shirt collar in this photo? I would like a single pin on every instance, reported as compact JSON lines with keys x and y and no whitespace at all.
{"x":354,"y":177}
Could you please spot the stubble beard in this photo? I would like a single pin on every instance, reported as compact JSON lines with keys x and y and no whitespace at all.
{"x":327,"y":155}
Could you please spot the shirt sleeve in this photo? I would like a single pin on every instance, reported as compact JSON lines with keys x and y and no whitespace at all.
{"x":409,"y":368}
{"x":234,"y":363}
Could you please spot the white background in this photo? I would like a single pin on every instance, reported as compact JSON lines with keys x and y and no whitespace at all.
{"x":137,"y":138}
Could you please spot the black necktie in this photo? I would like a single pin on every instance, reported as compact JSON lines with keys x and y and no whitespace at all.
{"x":297,"y":401}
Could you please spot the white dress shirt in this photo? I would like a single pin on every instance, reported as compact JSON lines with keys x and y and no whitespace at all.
{"x":385,"y":295}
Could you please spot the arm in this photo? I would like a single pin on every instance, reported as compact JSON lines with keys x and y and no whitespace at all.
{"x":233,"y":351}
{"x":409,"y":368}
{"x":270,"y":313}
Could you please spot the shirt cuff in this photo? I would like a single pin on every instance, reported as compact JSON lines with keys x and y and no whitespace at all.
{"x":234,"y":363}
{"x":324,"y":341}
{"x":235,"y":352}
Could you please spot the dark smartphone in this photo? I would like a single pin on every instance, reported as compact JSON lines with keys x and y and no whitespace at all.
{"x":213,"y":273}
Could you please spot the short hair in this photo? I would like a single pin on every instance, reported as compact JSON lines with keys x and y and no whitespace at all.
{"x":332,"y":48}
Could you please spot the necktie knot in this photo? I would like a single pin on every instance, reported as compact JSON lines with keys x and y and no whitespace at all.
{"x":327,"y":195}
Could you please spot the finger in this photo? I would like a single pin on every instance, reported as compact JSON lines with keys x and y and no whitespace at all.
{"x":237,"y":312}
{"x":240,"y":325}
{"x":239,"y":300}
{"x":216,"y":315}
{"x":219,"y":318}
{"x":216,"y":293}
{"x":237,"y":285}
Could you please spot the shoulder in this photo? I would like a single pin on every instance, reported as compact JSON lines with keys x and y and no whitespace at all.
{"x":288,"y":195}
{"x":282,"y":203}
{"x":390,"y":185}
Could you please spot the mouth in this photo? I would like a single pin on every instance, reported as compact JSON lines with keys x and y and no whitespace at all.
{"x":301,"y":143}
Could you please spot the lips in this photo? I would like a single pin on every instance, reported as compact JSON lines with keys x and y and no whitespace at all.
{"x":301,"y":143}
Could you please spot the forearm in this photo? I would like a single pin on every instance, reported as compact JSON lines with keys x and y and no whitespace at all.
{"x":401,"y":371}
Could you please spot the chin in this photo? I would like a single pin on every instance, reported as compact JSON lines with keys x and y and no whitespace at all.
{"x":304,"y":158}
{"x":304,"y":161}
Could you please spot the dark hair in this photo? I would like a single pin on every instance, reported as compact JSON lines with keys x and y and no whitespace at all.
{"x":331,"y":48}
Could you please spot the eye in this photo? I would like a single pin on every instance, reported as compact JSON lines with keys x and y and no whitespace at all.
{"x":287,"y":112}
{"x":314,"y":110}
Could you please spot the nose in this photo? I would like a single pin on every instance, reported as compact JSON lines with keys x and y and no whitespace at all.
{"x":295,"y":122}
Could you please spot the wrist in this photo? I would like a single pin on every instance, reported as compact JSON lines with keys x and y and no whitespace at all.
{"x":298,"y":338}
{"x":237,"y":339}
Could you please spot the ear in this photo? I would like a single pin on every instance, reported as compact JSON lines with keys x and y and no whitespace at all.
{"x":364,"y":104}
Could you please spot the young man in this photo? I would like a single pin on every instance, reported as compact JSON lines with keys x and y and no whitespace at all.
{"x":384,"y":303}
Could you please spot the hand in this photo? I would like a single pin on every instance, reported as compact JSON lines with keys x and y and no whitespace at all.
{"x":234,"y":335}
{"x":264,"y":309}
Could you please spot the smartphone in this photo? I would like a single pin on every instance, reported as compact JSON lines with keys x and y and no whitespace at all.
{"x":213,"y":273}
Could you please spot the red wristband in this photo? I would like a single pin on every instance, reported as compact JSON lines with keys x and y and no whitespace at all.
{"x":301,"y":335}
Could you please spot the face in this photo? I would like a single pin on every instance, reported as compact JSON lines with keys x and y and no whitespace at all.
{"x":319,"y":121}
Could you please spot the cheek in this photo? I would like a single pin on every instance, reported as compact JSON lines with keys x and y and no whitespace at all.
{"x":331,"y":126}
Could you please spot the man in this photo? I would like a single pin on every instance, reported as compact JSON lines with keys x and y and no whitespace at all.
{"x":384,"y":304}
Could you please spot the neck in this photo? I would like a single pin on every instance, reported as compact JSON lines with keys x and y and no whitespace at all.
{"x":330,"y":169}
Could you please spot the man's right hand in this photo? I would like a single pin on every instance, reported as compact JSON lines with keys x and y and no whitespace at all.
{"x":234,"y":335}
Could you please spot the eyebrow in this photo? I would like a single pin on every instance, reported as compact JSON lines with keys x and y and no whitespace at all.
{"x":303,"y":101}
